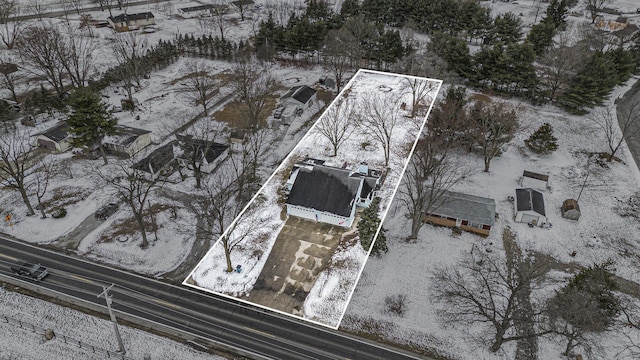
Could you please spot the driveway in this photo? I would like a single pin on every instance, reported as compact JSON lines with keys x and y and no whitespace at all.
{"x":302,"y":250}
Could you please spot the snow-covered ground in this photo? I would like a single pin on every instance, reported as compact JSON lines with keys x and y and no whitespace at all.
{"x":210,"y":274}
{"x":27,"y":341}
{"x":600,"y":234}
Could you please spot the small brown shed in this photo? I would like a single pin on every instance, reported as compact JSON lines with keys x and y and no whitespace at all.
{"x":570,"y":209}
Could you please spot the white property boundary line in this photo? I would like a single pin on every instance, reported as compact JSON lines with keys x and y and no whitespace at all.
{"x":284,"y":161}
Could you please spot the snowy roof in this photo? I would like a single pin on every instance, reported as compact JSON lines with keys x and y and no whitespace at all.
{"x":472,"y":208}
{"x":328,"y":188}
{"x":302,"y":93}
{"x":208,"y":149}
{"x":125,"y":135}
{"x":130,"y":17}
{"x":325,"y":189}
{"x":530,"y":200}
{"x":158,"y":159}
{"x":57,"y":133}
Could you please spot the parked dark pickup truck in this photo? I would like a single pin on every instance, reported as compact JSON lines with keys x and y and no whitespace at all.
{"x":34,"y":271}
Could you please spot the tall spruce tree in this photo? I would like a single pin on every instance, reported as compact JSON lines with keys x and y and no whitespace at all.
{"x":367,"y":227}
{"x":90,"y":120}
{"x":542,"y":140}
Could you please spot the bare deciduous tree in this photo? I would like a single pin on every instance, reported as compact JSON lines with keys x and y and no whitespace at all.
{"x":338,"y":123}
{"x":421,"y":91}
{"x":10,"y":76}
{"x":379,"y":118}
{"x":559,"y":64}
{"x":199,"y":85}
{"x":482,"y":289}
{"x":76,"y":56}
{"x":198,"y":142}
{"x":129,"y":49}
{"x":219,"y":19}
{"x":36,"y":7}
{"x":254,"y":87}
{"x":16,"y":157}
{"x":595,"y":7}
{"x":494,"y":125}
{"x":340,"y":54}
{"x":618,"y":125}
{"x":41,"y":177}
{"x":133,"y":188}
{"x":10,"y":22}
{"x":430,"y":174}
{"x":40,"y":51}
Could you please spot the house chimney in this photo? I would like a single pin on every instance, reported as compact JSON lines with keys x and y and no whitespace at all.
{"x":363,"y":168}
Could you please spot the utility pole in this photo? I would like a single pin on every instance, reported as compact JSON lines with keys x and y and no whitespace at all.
{"x":107,"y":297}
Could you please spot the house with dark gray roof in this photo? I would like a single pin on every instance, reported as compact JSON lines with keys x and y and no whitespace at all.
{"x":295,"y":101}
{"x":201,"y":10}
{"x":329,"y":194}
{"x":56,"y":138}
{"x":127,"y":141}
{"x":207,"y":154}
{"x":126,"y":22}
{"x":529,"y":207}
{"x":160,"y":162}
{"x":468,"y":212}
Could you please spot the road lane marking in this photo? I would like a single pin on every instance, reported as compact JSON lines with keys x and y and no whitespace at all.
{"x":9,"y":257}
{"x":82,"y":279}
{"x":259,"y":332}
{"x":165,"y":303}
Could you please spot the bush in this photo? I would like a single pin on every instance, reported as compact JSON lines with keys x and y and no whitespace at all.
{"x":396,"y":304}
{"x":59,"y":213}
{"x":542,"y":140}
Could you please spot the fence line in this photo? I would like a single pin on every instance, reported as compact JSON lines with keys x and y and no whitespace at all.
{"x":66,"y":339}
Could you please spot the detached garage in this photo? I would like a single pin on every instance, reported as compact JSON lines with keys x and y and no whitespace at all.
{"x":530,"y":207}
{"x":56,"y":138}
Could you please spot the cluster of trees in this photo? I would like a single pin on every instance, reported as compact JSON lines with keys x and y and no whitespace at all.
{"x":368,"y":43}
{"x":206,"y":46}
{"x":488,"y":289}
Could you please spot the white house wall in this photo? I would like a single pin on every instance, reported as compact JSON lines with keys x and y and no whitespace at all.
{"x":320,"y":216}
{"x":527,"y":217}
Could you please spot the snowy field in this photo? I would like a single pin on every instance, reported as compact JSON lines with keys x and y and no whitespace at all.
{"x":334,"y":288}
{"x":599,"y":235}
{"x":26,"y":344}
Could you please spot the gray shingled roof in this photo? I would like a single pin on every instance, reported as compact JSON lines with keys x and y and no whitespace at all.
{"x":58,"y":132}
{"x":325,"y":189}
{"x":125,"y":135}
{"x":197,"y":8}
{"x":158,"y":159}
{"x":530,"y":200}
{"x":472,"y":208}
{"x":302,"y":93}
{"x":211,"y":150}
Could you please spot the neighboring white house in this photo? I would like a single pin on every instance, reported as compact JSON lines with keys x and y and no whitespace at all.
{"x":127,"y":141}
{"x":529,"y":207}
{"x":534,"y":180}
{"x":126,"y":22}
{"x":56,"y":138}
{"x":329,"y":194}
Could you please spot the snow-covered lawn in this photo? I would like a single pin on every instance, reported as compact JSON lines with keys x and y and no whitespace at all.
{"x":210,"y":274}
{"x":600,"y":234}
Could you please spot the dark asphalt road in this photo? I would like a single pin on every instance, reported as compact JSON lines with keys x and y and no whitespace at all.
{"x":253,"y":330}
{"x":633,"y":142}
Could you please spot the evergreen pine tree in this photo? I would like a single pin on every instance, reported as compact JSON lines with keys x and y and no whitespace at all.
{"x":90,"y":120}
{"x":367,"y":227}
{"x":542,"y":140}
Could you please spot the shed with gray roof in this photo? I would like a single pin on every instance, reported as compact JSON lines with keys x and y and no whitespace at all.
{"x":529,"y":207}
